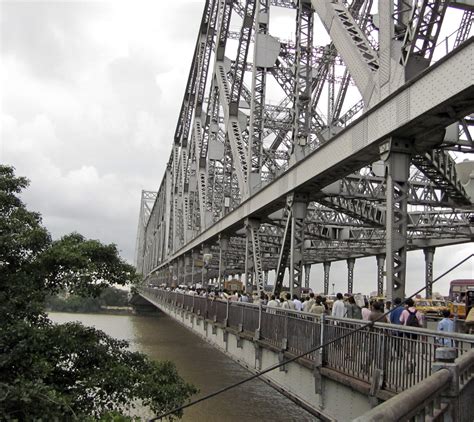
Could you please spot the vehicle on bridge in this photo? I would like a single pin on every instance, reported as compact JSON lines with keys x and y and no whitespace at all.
{"x":461,"y":296}
{"x":431,"y":307}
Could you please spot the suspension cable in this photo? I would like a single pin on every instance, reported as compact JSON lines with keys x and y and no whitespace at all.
{"x":368,"y":324}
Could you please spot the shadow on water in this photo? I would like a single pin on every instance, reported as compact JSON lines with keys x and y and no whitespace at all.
{"x":207,"y":368}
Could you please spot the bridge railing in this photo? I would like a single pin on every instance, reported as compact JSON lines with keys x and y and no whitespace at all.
{"x":446,"y":395}
{"x":398,"y":357}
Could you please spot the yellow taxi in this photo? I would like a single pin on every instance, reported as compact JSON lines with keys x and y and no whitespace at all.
{"x":431,"y":306}
{"x":458,"y":309}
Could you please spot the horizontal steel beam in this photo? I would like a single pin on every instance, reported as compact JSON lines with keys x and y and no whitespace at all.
{"x":462,"y":4}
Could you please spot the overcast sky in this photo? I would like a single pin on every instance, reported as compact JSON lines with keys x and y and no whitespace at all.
{"x":90,"y":93}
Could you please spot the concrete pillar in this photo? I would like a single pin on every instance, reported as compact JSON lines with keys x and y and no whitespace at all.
{"x":327,"y":268}
{"x":429,"y":257}
{"x":396,"y":154}
{"x":350,"y":274}
{"x":445,"y":358}
{"x":380,"y":273}
{"x":307,"y":271}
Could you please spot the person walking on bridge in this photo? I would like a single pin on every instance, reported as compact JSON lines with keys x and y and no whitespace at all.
{"x":272,"y":303}
{"x":447,"y":326}
{"x":410,"y":317}
{"x":297,"y":302}
{"x":353,"y":311}
{"x":288,"y":303}
{"x":318,"y":307}
{"x":338,"y":307}
{"x":309,"y":303}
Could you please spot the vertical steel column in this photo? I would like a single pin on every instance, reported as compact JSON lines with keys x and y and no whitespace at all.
{"x":257,"y":104}
{"x":194,"y":256}
{"x":179,"y":271}
{"x":396,"y":154}
{"x":327,"y":268}
{"x":220,"y":265}
{"x":253,"y":256}
{"x":380,"y":273}
{"x":223,"y":247}
{"x":331,"y":89}
{"x":265,"y":279}
{"x":206,"y":258}
{"x":429,"y":256}
{"x":173,"y":273}
{"x":307,"y":271}
{"x":248,"y":263}
{"x":350,"y":274}
{"x":303,"y":79}
{"x":187,"y":262}
{"x":284,"y":251}
{"x":298,"y":213}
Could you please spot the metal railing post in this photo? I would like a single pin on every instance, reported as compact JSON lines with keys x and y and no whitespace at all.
{"x":258,"y":330}
{"x":322,"y":350}
{"x":284,"y":340}
{"x":241,"y":325}
{"x":226,"y":321}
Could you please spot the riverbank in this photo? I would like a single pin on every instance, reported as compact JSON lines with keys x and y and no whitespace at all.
{"x":107,"y":310}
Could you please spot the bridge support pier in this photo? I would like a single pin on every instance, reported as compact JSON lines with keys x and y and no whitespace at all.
{"x":396,"y":154}
{"x":429,"y":257}
{"x":380,"y":273}
{"x":327,"y":268}
{"x":350,"y":275}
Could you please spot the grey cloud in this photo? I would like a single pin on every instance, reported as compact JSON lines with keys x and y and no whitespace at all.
{"x":50,"y":37}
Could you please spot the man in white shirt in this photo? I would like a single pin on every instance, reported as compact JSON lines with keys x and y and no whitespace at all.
{"x":288,"y":303}
{"x":298,"y":304}
{"x":309,"y":303}
{"x":244,"y":297}
{"x":272,"y":303}
{"x":338,"y":308}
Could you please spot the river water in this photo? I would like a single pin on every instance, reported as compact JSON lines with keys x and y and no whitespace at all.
{"x":207,"y":368}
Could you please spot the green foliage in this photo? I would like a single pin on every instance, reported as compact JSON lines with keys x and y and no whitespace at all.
{"x":110,"y":296}
{"x":67,"y":371}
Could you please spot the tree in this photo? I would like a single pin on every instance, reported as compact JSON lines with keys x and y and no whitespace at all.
{"x":65,"y":371}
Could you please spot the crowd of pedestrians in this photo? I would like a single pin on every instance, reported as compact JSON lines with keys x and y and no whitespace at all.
{"x":344,"y":306}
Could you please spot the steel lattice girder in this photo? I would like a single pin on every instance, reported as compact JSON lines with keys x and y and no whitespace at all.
{"x":222,"y":183}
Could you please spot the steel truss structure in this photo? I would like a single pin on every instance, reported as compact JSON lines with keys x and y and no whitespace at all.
{"x":290,"y":153}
